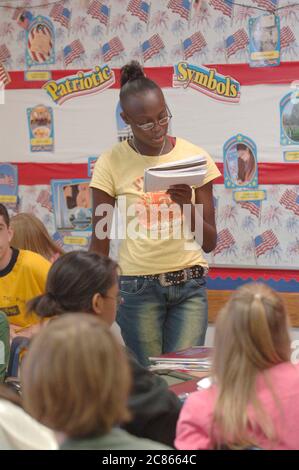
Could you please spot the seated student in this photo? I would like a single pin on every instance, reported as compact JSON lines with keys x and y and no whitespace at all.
{"x":4,"y":345}
{"x":22,"y":276}
{"x":87,"y":282}
{"x":29,"y":233}
{"x":18,"y":431}
{"x":254,"y":401}
{"x":78,"y":355}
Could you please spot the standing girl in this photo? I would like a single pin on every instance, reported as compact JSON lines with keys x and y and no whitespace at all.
{"x":163,"y":276}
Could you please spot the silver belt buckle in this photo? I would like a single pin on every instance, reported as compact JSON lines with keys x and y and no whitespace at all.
{"x":162,"y":280}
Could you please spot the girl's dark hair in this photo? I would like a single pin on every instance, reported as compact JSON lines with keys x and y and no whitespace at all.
{"x":72,"y":282}
{"x":133,"y":81}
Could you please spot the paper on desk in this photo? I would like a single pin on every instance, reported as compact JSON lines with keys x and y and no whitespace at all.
{"x":180,"y":366}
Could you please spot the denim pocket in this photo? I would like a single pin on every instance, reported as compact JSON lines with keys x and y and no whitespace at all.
{"x":198,"y":282}
{"x":135,"y":285}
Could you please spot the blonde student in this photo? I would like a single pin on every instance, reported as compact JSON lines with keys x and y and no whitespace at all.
{"x":29,"y":233}
{"x":254,"y":401}
{"x":78,"y":356}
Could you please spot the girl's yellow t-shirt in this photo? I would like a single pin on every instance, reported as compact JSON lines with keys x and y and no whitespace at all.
{"x":154,"y":238}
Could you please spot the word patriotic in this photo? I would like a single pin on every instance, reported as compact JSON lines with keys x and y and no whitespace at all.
{"x":80,"y":84}
{"x":207,"y":81}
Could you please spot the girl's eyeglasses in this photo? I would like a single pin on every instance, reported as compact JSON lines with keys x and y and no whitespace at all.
{"x":162,"y":122}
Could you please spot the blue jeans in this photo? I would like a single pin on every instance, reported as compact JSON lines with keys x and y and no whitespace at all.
{"x":156,"y":320}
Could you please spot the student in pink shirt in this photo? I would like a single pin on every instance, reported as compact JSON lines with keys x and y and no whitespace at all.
{"x":254,"y":399}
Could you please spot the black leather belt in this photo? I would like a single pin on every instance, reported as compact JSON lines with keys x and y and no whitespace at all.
{"x":178,"y":277}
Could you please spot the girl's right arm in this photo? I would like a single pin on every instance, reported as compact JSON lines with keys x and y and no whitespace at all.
{"x":102,"y":215}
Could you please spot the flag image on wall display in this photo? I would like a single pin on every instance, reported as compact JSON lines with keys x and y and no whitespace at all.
{"x":112,"y":48}
{"x":194,"y":43}
{"x":61,"y":14}
{"x":140,"y":9}
{"x":237,"y":41}
{"x":40,"y":42}
{"x":152,"y":47}
{"x":72,"y":51}
{"x":99,"y":11}
{"x":265,"y":242}
{"x":182,"y":7}
{"x":225,"y":6}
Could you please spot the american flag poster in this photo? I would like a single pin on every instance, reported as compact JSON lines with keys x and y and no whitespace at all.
{"x":193,"y":44}
{"x":237,"y":41}
{"x":225,"y":6}
{"x":73,"y":51}
{"x":182,"y":7}
{"x":140,"y":8}
{"x":4,"y":53}
{"x":4,"y":77}
{"x":268,"y":5}
{"x":61,"y":14}
{"x":112,"y":48}
{"x":99,"y":11}
{"x":152,"y":46}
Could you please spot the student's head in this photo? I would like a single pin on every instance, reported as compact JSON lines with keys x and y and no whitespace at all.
{"x":6,"y":233}
{"x":80,"y":282}
{"x":31,"y":234}
{"x":251,"y":336}
{"x":75,"y":377}
{"x":143,"y":103}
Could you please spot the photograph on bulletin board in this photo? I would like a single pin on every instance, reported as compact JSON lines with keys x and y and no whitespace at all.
{"x":264,"y":41}
{"x":240,"y":162}
{"x":72,"y":204}
{"x":289,"y":120}
{"x":41,"y":128}
{"x":40,"y":42}
{"x":8,"y":183}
